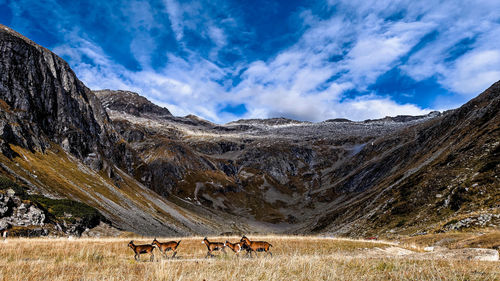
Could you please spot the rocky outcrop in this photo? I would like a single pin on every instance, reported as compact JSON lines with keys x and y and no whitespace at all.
{"x":15,"y":212}
{"x":25,"y":216}
{"x":43,"y":101}
{"x":131,"y":103}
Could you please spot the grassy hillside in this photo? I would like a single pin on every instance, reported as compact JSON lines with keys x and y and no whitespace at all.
{"x":126,"y":203}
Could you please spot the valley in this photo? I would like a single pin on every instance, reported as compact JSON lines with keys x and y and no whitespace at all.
{"x":152,"y":173}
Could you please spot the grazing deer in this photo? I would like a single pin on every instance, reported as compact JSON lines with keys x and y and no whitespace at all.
{"x":142,"y":249}
{"x":213,"y":246}
{"x":257,"y":246}
{"x":167,"y":246}
{"x":236,"y":247}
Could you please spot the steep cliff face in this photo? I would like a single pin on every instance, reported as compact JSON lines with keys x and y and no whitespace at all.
{"x":43,"y":101}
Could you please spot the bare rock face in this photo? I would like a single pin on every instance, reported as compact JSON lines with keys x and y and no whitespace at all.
{"x":131,"y":103}
{"x":43,"y":101}
{"x":15,"y":212}
{"x":6,"y":204}
{"x":25,"y":215}
{"x":30,"y":218}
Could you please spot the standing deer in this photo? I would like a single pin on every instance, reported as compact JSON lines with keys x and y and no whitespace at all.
{"x":142,"y":249}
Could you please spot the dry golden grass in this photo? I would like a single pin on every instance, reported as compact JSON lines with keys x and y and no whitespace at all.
{"x":456,"y":240}
{"x":295,"y":258}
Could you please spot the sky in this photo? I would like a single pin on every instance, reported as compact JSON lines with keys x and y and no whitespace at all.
{"x":305,"y":60}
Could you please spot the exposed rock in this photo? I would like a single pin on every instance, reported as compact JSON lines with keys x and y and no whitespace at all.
{"x":16,"y":213}
{"x":482,"y":220}
{"x":43,"y":98}
{"x":130,"y":103}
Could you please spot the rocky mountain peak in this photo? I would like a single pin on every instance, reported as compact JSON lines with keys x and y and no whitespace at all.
{"x":405,"y":118}
{"x":131,"y":103}
{"x":43,"y":101}
{"x":269,"y":122}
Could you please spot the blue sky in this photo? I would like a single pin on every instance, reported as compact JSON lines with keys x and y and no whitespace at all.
{"x":306,"y":60}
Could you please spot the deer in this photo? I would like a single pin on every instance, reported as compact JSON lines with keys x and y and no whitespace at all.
{"x":167,"y":246}
{"x":257,"y":246}
{"x":236,"y":247}
{"x":142,"y":249}
{"x":213,"y":246}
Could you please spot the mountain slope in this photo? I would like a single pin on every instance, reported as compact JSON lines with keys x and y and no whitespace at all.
{"x":150,"y":172}
{"x":354,"y":178}
{"x":427,"y":178}
{"x":285,"y":172}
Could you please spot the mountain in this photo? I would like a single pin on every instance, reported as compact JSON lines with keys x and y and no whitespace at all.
{"x":338,"y":176}
{"x":150,"y":172}
{"x":58,"y":141}
{"x":439,"y":175}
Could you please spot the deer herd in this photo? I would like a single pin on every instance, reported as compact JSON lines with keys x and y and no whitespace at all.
{"x":244,"y":244}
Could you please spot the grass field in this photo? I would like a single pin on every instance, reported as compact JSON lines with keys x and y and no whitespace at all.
{"x":294,"y":258}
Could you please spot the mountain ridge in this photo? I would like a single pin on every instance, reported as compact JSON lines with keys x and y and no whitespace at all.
{"x":150,"y":172}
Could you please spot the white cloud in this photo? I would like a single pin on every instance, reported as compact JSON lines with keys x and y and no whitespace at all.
{"x":367,"y":107}
{"x":217,"y":35}
{"x":378,"y":48}
{"x":176,"y":18}
{"x":476,"y":66}
{"x":474,"y":72}
{"x":356,"y":45}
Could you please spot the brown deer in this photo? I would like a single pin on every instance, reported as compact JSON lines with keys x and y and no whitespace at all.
{"x":236,"y":247}
{"x":142,"y":249}
{"x":257,"y":246}
{"x":213,"y":246}
{"x":167,"y":246}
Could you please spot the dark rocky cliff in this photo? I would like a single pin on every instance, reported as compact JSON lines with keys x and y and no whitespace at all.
{"x":42,"y":101}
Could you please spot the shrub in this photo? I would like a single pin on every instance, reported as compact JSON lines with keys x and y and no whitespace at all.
{"x":458,"y":198}
{"x":6,"y":183}
{"x":59,"y":208}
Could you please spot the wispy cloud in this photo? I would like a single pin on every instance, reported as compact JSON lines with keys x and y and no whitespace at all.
{"x":203,"y":57}
{"x":175,"y":15}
